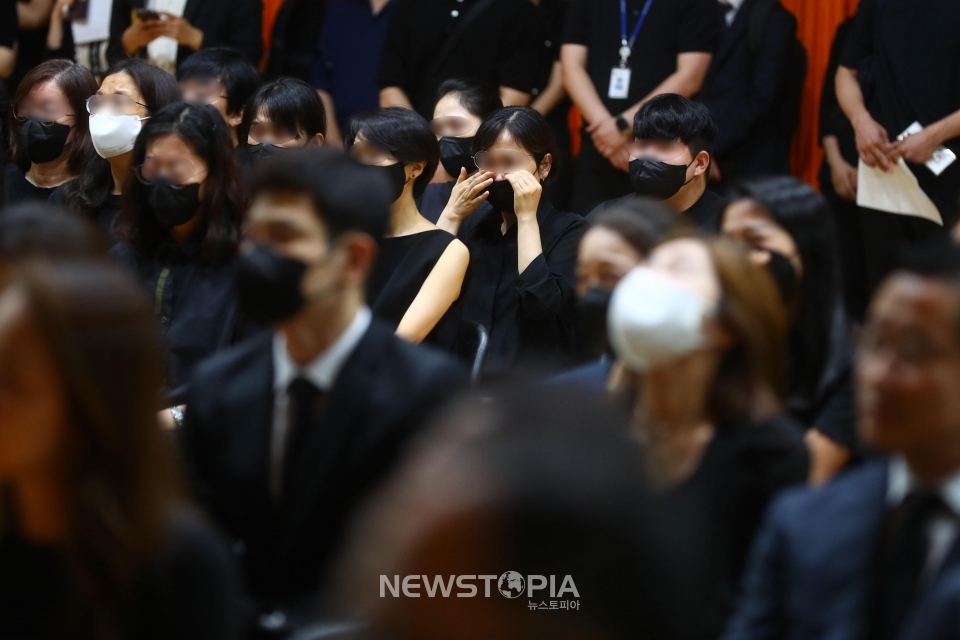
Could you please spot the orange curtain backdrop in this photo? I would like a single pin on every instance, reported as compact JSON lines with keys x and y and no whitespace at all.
{"x":817,"y":22}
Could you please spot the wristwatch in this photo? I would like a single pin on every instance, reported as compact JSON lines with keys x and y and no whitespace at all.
{"x":623,"y":125}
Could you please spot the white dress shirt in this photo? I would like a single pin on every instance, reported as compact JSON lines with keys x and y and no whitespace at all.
{"x":732,"y":14}
{"x":942,"y":531}
{"x":162,"y":52}
{"x":322,"y":371}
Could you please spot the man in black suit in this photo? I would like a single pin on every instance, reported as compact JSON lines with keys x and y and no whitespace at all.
{"x":745,"y":88}
{"x":875,"y":553}
{"x":287,"y":432}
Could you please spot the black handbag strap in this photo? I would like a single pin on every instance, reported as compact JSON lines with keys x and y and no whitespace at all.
{"x":454,"y":38}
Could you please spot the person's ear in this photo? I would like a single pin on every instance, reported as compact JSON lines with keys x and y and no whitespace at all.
{"x":702,"y":164}
{"x":545,"y":166}
{"x":235,"y":119}
{"x":360,"y":252}
{"x":415,"y":170}
{"x":315,"y":141}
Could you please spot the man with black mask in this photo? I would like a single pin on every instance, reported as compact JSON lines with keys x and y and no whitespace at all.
{"x":670,"y":160}
{"x":285,"y":434}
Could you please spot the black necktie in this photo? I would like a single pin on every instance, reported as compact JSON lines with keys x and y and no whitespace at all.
{"x":901,"y":560}
{"x":726,"y":7}
{"x":304,"y":404}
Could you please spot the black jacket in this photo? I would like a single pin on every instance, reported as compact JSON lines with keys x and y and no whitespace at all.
{"x":743,"y":91}
{"x":382,"y":396}
{"x":236,"y":24}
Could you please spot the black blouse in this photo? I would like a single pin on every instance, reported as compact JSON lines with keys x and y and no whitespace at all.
{"x":719,"y":508}
{"x":17,"y":189}
{"x":403,"y":265}
{"x":103,"y":216}
{"x":531,"y":316}
{"x":195,"y":304}
{"x":189,"y":592}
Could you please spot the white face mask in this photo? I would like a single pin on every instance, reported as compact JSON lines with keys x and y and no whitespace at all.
{"x":653,"y":320}
{"x":114,"y":135}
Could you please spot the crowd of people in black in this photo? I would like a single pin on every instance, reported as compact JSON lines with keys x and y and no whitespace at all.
{"x":277,"y":339}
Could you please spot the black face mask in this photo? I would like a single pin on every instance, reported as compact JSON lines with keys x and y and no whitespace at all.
{"x":657,"y":180}
{"x":784,"y":274}
{"x":396,"y":175}
{"x":268,"y":285}
{"x":43,"y":142}
{"x":172,"y":205}
{"x":261,"y":151}
{"x":501,"y":197}
{"x":455,"y":155}
{"x":592,"y":309}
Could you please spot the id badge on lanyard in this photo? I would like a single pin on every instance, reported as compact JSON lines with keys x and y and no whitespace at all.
{"x":620,"y":76}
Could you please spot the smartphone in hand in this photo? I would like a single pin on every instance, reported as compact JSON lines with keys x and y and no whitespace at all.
{"x":146,"y":14}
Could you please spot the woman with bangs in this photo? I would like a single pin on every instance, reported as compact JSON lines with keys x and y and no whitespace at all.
{"x":284,"y":114}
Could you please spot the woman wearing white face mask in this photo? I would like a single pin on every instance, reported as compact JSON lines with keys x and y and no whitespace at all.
{"x":702,"y":326}
{"x":132,"y":90}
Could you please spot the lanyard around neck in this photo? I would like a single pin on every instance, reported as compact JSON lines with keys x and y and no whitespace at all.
{"x":626,"y":46}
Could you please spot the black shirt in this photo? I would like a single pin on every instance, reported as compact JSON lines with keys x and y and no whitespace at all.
{"x":195,"y":304}
{"x":102,"y":216}
{"x":672,"y":27}
{"x":189,"y":591}
{"x":8,"y":23}
{"x":497,"y":47}
{"x":722,"y":504}
{"x":706,"y":213}
{"x":907,"y":57}
{"x":16,"y":187}
{"x":403,"y":265}
{"x":531,"y":316}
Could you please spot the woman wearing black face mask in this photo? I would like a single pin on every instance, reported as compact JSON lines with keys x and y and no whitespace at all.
{"x":462,"y":107}
{"x":788,"y":227}
{"x":523,"y":252}
{"x":49,"y":130}
{"x":179,"y":228}
{"x":420,"y":269}
{"x":284,"y":114}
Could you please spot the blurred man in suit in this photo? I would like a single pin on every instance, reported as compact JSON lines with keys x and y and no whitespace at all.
{"x":869,"y":555}
{"x":285,"y":434}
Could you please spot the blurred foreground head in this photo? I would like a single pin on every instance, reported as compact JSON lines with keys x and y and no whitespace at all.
{"x":531,"y":482}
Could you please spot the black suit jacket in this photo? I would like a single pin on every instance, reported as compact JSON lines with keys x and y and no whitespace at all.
{"x":236,"y":24}
{"x":380,"y":399}
{"x":743,"y":90}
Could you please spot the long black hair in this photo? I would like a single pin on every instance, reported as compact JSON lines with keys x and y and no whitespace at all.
{"x":224,"y":201}
{"x":95,"y":184}
{"x":405,"y":134}
{"x":804,"y":214}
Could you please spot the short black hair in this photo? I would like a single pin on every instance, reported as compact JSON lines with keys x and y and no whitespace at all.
{"x":670,"y":116}
{"x":530,"y":130}
{"x":42,"y":230}
{"x":290,"y":103}
{"x":345,"y":195}
{"x":479,"y":98}
{"x":405,"y":133}
{"x":641,"y":222}
{"x":230,"y":68}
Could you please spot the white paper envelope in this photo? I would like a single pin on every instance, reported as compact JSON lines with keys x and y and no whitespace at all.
{"x":895,"y":192}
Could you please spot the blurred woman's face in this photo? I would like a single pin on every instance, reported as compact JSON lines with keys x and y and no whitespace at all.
{"x":687,"y":262}
{"x":48,"y":104}
{"x":450,"y":118}
{"x":265,"y":131}
{"x":33,"y":413}
{"x":509,"y":156}
{"x":118,"y":95}
{"x":604,"y":259}
{"x":745,"y":221}
{"x":175,"y":159}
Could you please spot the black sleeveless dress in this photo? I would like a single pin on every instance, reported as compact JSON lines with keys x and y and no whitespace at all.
{"x":402,"y":267}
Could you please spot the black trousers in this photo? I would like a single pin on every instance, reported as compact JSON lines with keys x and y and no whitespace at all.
{"x":595,"y":180}
{"x":886,"y":235}
{"x":850,"y":239}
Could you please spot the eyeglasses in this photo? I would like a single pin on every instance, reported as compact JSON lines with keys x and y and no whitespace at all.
{"x":452,"y":126}
{"x":46,"y":117}
{"x":370,"y":153}
{"x":501,"y":161}
{"x":199,"y":92}
{"x":178,"y":171}
{"x":114,"y":104}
